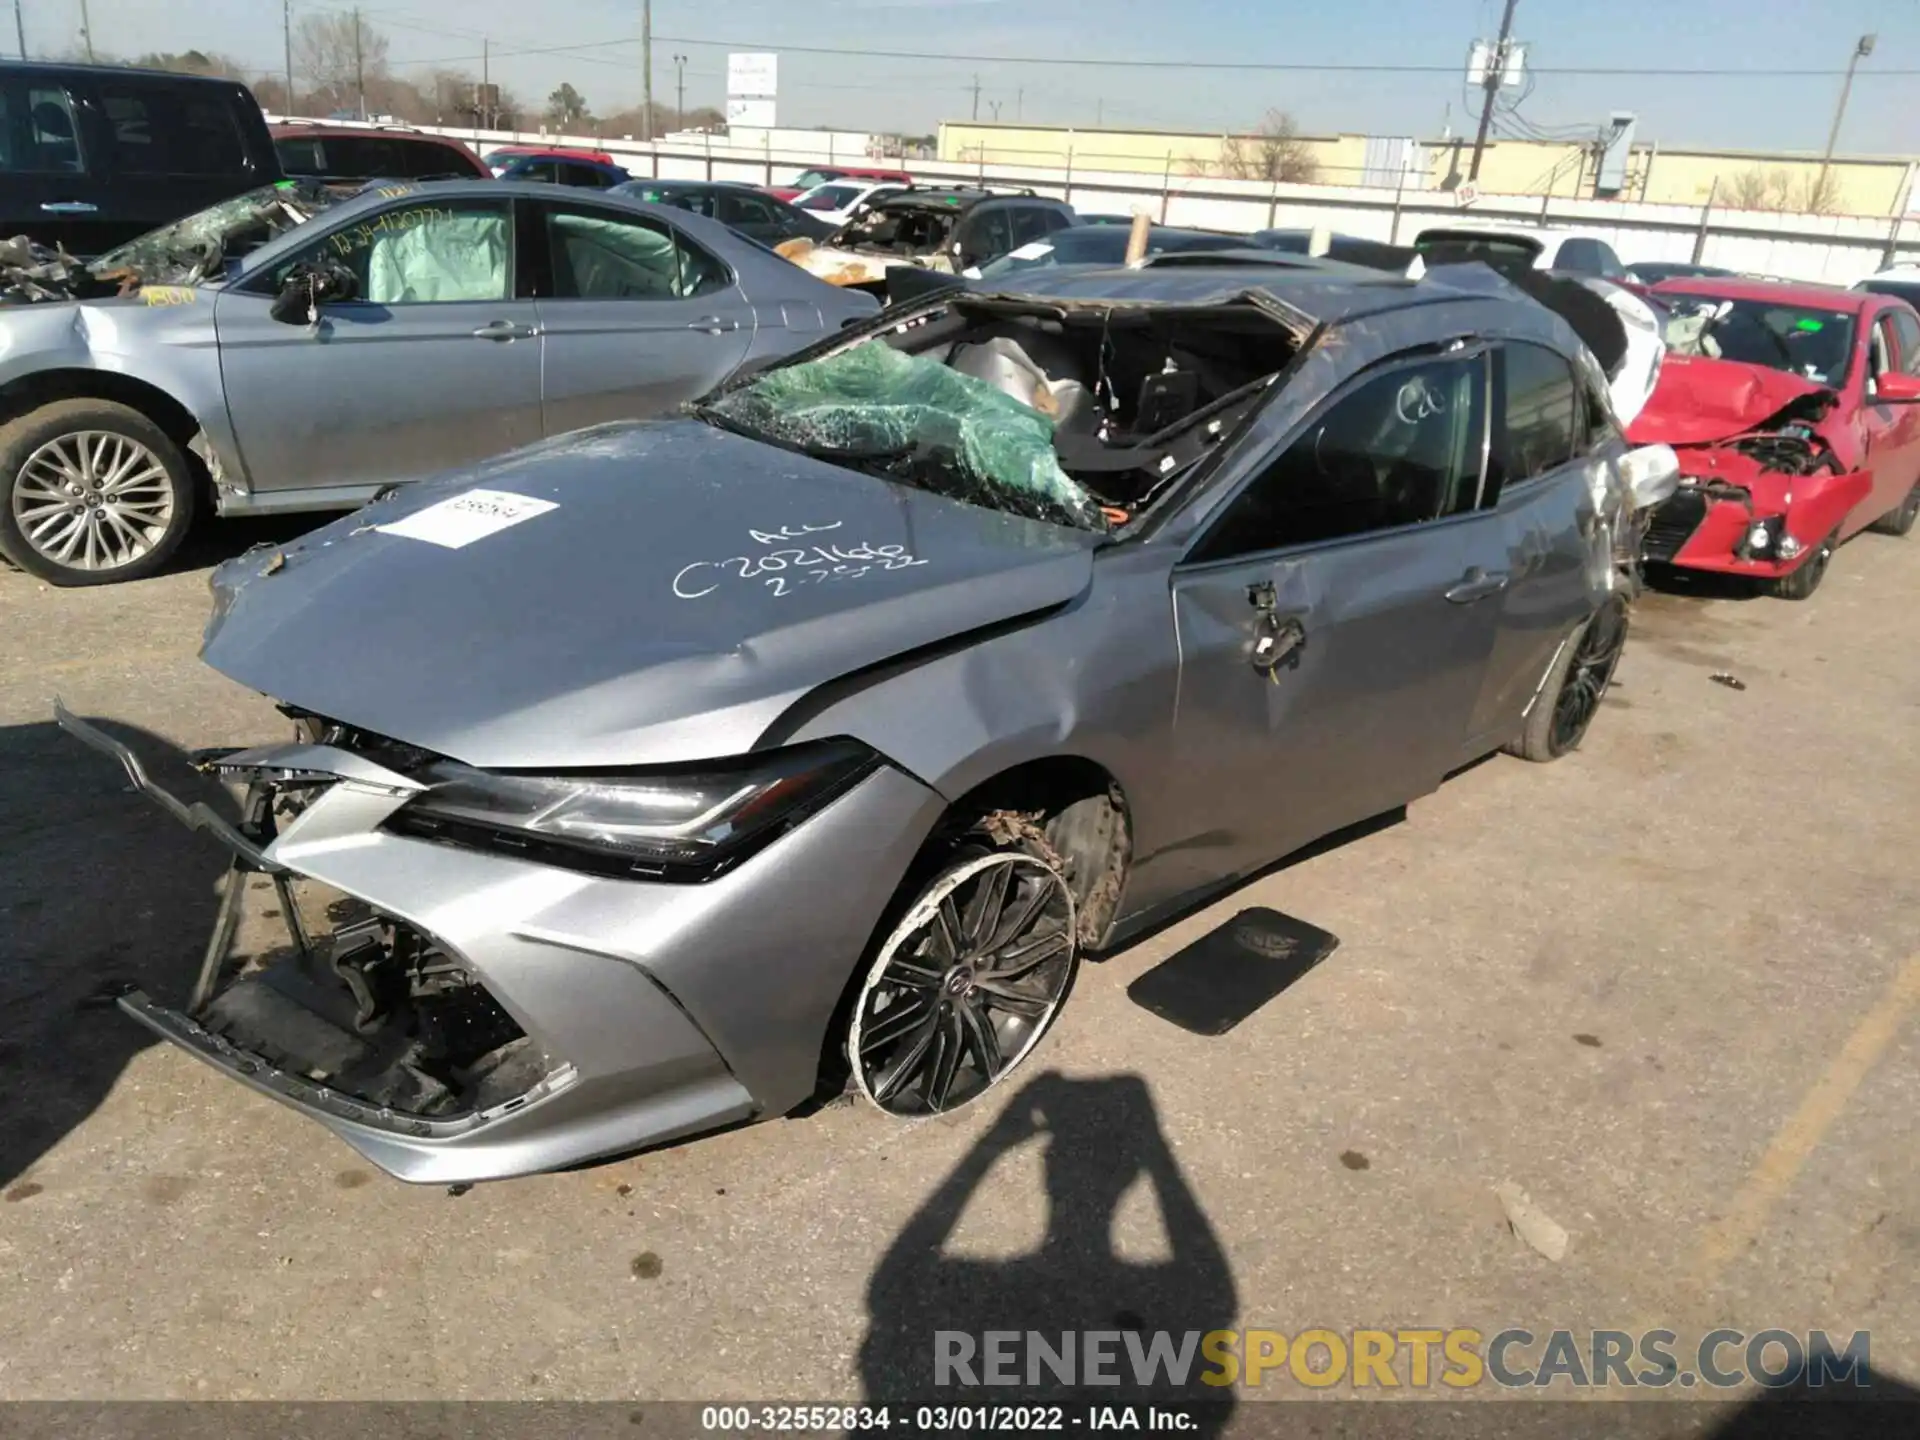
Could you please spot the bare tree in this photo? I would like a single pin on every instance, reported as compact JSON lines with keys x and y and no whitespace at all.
{"x":567,"y":108}
{"x":1815,"y":194}
{"x":1274,"y":151}
{"x":1748,"y":190}
{"x":338,"y":54}
{"x":1781,"y":191}
{"x":193,"y":62}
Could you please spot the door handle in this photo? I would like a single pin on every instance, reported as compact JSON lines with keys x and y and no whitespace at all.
{"x":504,"y":330}
{"x":1277,"y":640}
{"x":714,"y":324}
{"x":68,"y":207}
{"x":1477,"y":584}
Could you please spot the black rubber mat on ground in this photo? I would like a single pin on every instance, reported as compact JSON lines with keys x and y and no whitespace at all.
{"x":1223,"y":977}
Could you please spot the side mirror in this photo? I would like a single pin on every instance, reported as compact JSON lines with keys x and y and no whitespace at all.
{"x":1895,"y":387}
{"x":308,"y":287}
{"x":1652,"y":473}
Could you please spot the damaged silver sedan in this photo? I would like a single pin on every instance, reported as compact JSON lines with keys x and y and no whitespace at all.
{"x":667,"y":775}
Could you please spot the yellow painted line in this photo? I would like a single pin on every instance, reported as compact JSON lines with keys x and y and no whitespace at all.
{"x":1808,"y":1125}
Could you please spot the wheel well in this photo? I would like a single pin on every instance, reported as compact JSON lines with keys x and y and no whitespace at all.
{"x":1080,"y":810}
{"x":1080,"y":814}
{"x":30,"y":392}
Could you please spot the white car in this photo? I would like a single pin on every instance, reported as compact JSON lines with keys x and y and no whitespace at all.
{"x":1899,"y":280}
{"x":1570,"y":251}
{"x":836,"y":200}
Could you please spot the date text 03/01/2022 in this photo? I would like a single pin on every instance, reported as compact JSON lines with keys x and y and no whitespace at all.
{"x":936,"y":1419}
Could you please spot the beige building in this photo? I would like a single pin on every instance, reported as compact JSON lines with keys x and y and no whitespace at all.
{"x":1734,"y":179}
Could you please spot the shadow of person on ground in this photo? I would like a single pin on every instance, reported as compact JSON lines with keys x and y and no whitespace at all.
{"x":99,"y":888}
{"x":1102,"y":1136}
{"x":1833,"y":1409}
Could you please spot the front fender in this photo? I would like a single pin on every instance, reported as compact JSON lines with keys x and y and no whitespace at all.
{"x":1822,"y":502}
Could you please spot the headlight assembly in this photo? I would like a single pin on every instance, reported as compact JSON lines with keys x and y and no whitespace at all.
{"x":682,"y":824}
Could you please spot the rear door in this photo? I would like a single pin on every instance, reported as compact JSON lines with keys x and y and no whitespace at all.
{"x":635,"y":316}
{"x":985,"y":233}
{"x":50,"y":180}
{"x":1548,"y":440}
{"x":436,"y":365}
{"x":1360,"y":559}
{"x":169,"y":149}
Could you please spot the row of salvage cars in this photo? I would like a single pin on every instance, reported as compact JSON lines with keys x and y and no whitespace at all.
{"x":667,"y":774}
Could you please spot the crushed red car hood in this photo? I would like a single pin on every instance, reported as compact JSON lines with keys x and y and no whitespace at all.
{"x":1699,"y":400}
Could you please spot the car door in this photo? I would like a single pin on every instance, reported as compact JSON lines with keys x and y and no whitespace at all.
{"x":436,"y":364}
{"x":168,"y":148}
{"x":1894,"y":430}
{"x":51,"y":185}
{"x":1333,"y":622}
{"x":635,"y":316}
{"x":1551,"y":436}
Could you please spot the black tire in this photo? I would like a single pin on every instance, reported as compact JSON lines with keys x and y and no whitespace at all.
{"x":127,"y":540}
{"x":1900,"y":519}
{"x":1801,"y":584}
{"x":983,"y":1007}
{"x":1570,"y":696}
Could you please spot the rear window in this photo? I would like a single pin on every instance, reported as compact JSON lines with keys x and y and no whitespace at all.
{"x":368,"y":157}
{"x":1496,"y":251}
{"x":161,"y":129}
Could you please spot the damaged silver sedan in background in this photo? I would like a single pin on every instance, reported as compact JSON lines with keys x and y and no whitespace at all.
{"x":301,"y":346}
{"x":666,"y":775}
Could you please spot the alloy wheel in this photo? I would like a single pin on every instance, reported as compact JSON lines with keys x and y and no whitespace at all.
{"x":965,"y":986}
{"x":93,"y":500}
{"x":1589,"y":675}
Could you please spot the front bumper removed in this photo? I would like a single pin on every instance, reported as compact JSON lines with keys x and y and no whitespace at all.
{"x":547,"y":1017}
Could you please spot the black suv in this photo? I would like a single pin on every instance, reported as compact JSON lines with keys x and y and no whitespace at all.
{"x":964,"y":228}
{"x":93,"y":155}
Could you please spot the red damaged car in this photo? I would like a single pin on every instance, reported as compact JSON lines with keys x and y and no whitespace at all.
{"x":1795,"y":411}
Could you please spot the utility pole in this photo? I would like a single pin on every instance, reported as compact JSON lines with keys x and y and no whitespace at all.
{"x":976,"y":97}
{"x":20,"y":29}
{"x":994,"y":105}
{"x":1496,"y":67}
{"x":359,"y":67}
{"x":86,"y":30}
{"x":646,"y":68}
{"x":286,"y":35}
{"x":1862,"y":48}
{"x":679,"y":92}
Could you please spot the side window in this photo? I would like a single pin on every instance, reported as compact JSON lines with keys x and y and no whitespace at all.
{"x":598,"y":255}
{"x":1580,"y":256}
{"x":1906,"y":331}
{"x":1401,"y":448}
{"x":544,"y":172}
{"x":586,"y":177}
{"x":1029,"y":223}
{"x":989,"y":234}
{"x":160,"y":129}
{"x":1610,"y":266}
{"x":38,"y":132}
{"x":738,"y":209}
{"x":1885,"y":353}
{"x":1534,"y":402}
{"x":419,"y":254}
{"x":1058,"y":220}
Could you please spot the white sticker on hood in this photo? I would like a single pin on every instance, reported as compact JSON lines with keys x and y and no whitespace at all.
{"x":469,"y":517}
{"x":1032,"y":251}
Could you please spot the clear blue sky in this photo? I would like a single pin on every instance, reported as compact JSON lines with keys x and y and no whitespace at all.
{"x":883,"y":94}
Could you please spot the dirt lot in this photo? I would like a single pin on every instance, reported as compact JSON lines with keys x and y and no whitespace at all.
{"x":1667,"y":986}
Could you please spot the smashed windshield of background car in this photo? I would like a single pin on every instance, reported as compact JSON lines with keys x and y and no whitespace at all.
{"x":200,"y":246}
{"x":916,"y":420}
{"x":1812,"y":343}
{"x":916,"y":229}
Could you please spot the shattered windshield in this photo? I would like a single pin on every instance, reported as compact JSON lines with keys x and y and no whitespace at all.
{"x":900,"y":230}
{"x":200,"y":246}
{"x":913,"y":419}
{"x":1083,"y":415}
{"x":1813,"y":343}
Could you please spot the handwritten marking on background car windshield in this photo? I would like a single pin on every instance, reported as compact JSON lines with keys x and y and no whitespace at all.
{"x":785,"y":570}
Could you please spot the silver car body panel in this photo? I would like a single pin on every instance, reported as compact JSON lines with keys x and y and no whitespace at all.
{"x":636,"y":622}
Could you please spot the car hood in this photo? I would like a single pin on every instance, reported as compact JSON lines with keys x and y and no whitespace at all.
{"x":657,"y":592}
{"x":1699,"y":400}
